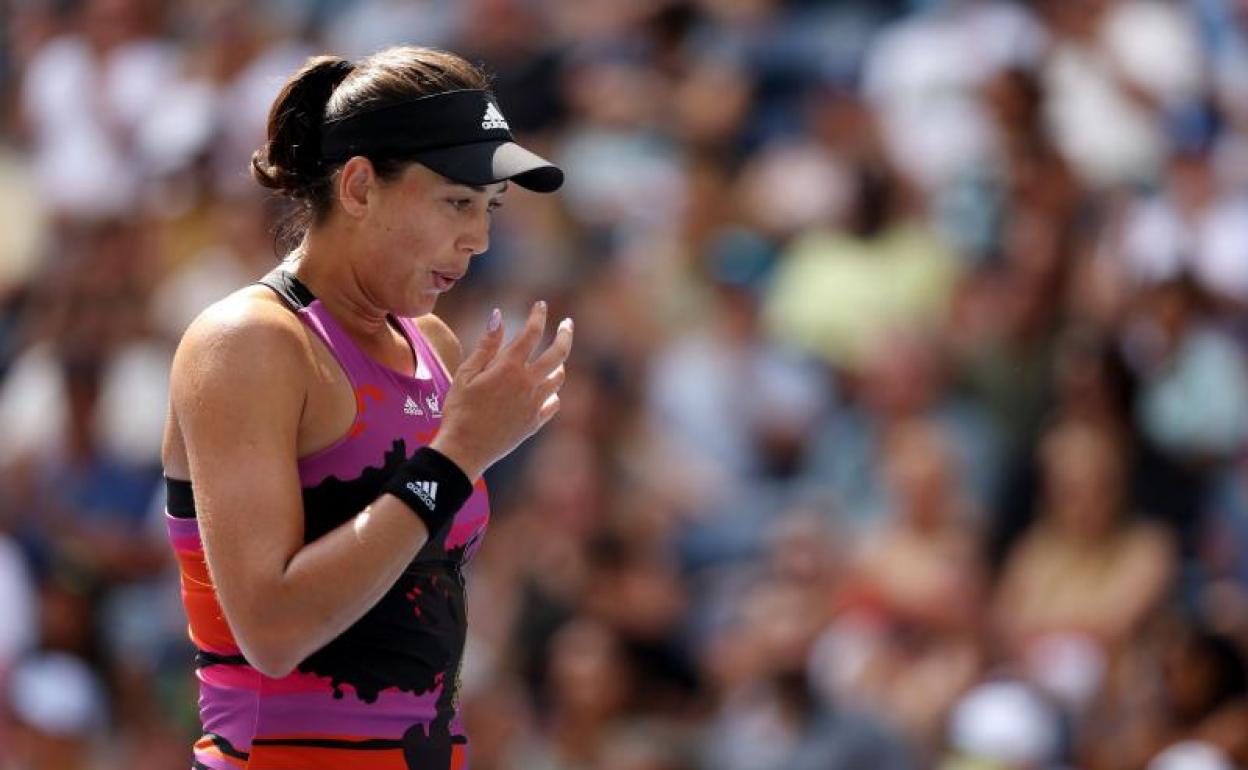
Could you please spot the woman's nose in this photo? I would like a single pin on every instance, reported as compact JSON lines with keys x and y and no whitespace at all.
{"x":477,"y":237}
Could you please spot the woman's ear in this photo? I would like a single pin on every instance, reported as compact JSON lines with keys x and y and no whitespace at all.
{"x":355,"y":183}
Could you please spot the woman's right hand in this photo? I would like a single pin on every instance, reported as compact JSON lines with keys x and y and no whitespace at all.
{"x":501,"y":395}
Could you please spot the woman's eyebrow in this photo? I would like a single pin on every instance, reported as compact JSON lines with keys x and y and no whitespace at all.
{"x":481,"y":188}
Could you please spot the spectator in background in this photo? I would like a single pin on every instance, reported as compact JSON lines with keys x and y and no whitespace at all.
{"x":1087,"y":570}
{"x":1092,"y":383}
{"x":1197,"y":696}
{"x":904,"y":642}
{"x":59,"y":712}
{"x":1194,"y":226}
{"x":1005,"y":313}
{"x":737,"y":411}
{"x":922,"y":76}
{"x":1113,"y":68}
{"x":905,"y":378}
{"x":86,"y":96}
{"x":214,"y":99}
{"x":1194,"y":378}
{"x":840,"y":288}
{"x":588,"y":690}
{"x":592,"y":713}
{"x":774,"y":717}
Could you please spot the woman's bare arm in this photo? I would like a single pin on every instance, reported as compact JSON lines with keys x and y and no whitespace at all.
{"x":238,"y":393}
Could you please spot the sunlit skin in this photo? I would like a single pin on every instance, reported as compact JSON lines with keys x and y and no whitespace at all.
{"x":251,"y":390}
{"x":410,"y":239}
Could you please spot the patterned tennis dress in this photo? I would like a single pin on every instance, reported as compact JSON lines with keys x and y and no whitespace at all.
{"x":383,"y":694}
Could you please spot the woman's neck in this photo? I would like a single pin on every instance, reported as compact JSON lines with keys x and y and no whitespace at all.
{"x":322,"y":263}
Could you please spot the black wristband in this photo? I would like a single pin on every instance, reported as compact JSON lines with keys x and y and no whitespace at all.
{"x":432,"y":485}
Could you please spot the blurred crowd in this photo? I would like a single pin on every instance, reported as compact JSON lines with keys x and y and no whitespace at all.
{"x":907,"y":425}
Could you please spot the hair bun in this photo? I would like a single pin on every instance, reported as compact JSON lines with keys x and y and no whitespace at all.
{"x":290,"y":161}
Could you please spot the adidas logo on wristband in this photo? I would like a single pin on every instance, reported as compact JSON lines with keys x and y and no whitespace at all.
{"x":427,"y":491}
{"x":432,"y":486}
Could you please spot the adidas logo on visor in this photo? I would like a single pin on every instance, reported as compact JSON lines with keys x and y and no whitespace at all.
{"x":493,"y":118}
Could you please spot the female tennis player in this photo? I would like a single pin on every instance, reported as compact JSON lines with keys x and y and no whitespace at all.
{"x":323,"y":464}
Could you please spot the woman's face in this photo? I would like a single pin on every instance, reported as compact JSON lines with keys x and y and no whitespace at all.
{"x":1083,"y":478}
{"x":918,"y":466}
{"x":419,"y":232}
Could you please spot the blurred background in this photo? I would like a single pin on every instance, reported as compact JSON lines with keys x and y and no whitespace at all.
{"x":907,"y":422}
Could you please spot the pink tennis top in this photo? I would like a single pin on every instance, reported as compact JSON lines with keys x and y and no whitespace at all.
{"x":383,"y":694}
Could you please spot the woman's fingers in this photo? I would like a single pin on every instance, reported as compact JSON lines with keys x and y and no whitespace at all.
{"x":504,"y":392}
{"x":526,"y":342}
{"x":553,"y":381}
{"x":486,"y":349}
{"x":550,"y":407}
{"x":558,"y":351}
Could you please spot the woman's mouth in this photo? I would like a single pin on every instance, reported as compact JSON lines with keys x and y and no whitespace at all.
{"x":444,"y":281}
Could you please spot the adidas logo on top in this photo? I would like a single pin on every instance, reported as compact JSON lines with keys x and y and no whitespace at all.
{"x":493,"y":118}
{"x":412,"y":408}
{"x":427,"y":491}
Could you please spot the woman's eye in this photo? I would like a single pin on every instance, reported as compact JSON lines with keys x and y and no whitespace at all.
{"x":461,"y":204}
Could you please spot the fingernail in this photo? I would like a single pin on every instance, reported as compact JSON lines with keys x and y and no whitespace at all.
{"x":541,"y":305}
{"x":496,"y":320}
{"x":566,"y":324}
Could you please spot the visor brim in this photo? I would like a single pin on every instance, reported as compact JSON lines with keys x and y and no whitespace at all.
{"x":482,"y":163}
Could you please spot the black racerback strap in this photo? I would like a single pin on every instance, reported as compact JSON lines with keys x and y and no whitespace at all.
{"x":289,"y":288}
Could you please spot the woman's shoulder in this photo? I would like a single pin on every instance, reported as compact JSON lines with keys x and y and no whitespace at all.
{"x":253,"y":309}
{"x":250,"y":327}
{"x":442,"y":339}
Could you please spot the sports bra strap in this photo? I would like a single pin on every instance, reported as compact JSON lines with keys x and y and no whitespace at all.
{"x":289,"y":288}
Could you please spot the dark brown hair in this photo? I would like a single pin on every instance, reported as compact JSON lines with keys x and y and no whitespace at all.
{"x":330,"y":87}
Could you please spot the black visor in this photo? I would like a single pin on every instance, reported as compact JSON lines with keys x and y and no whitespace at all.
{"x":462,"y":135}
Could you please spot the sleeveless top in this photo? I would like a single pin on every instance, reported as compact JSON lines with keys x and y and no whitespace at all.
{"x":382,"y":695}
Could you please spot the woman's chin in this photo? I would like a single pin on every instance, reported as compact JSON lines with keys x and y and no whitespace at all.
{"x":424,"y":304}
{"x":414,"y":304}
